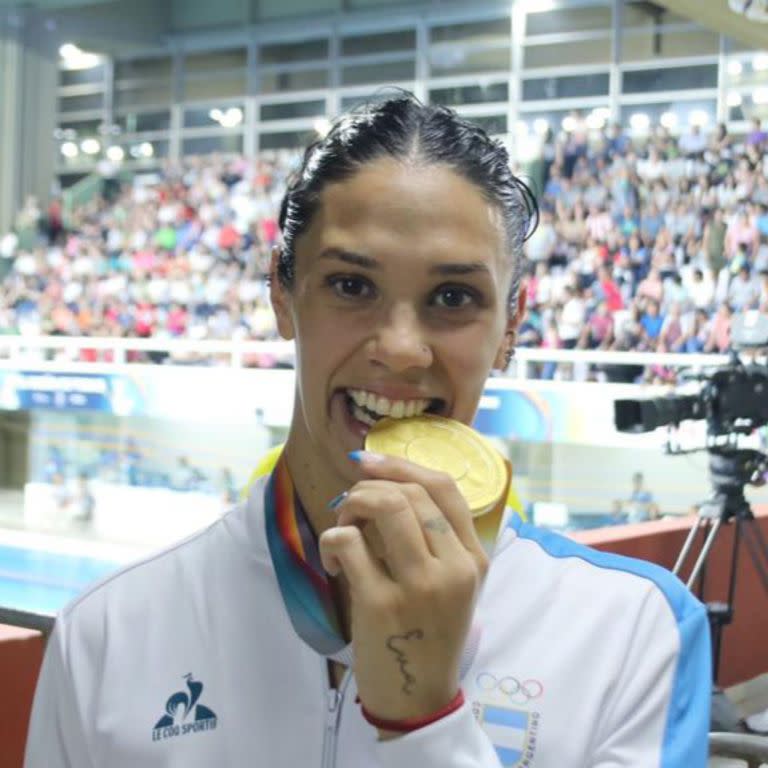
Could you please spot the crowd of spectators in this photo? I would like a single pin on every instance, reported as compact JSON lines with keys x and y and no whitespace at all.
{"x":648,"y":245}
{"x":644,"y":243}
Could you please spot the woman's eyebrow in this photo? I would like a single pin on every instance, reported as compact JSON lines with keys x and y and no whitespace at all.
{"x":460,"y":269}
{"x":351,"y":258}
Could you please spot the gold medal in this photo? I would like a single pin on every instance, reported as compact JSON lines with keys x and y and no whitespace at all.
{"x":445,"y":445}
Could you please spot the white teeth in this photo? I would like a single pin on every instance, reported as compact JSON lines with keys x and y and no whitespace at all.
{"x":361,"y":415}
{"x":383,"y":406}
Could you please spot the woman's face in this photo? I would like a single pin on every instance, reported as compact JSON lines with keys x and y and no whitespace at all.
{"x":399,"y":302}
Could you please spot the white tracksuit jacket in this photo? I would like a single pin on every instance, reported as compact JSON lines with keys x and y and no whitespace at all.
{"x":188,"y":659}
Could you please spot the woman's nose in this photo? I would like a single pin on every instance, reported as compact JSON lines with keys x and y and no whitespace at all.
{"x":400,"y":343}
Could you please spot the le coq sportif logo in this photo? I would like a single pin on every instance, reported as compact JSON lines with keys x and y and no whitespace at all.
{"x":184,"y":714}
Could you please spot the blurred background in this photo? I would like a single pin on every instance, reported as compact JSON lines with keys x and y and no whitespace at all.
{"x":144,"y":151}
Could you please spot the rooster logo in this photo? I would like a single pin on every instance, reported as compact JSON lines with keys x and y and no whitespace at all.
{"x":181,"y":703}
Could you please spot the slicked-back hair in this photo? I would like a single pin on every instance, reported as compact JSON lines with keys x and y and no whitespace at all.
{"x":405,"y":129}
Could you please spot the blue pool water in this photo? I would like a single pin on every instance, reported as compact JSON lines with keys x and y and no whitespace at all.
{"x":44,"y":582}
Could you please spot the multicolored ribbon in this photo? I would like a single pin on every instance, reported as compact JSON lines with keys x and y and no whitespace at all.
{"x":306,"y":589}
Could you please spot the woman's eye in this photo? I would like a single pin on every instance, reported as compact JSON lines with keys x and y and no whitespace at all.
{"x":454,"y":297}
{"x":350,"y":287}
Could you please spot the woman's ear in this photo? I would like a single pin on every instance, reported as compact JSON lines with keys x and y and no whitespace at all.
{"x":280,"y":297}
{"x":507,"y":347}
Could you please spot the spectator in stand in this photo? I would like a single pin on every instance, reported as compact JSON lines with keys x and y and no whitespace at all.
{"x":720,"y":330}
{"x":743,"y":291}
{"x":652,"y":322}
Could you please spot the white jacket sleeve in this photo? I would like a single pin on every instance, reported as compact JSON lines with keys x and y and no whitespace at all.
{"x":56,"y":737}
{"x":456,"y":741}
{"x":659,"y":714}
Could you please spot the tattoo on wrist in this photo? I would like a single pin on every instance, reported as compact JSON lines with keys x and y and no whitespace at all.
{"x":439,"y":524}
{"x":395,"y":644}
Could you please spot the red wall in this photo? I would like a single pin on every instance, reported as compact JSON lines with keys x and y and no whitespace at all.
{"x":745,"y":641}
{"x":21,"y":652}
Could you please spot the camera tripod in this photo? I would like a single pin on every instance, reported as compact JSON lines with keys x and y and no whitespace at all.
{"x":731,"y":469}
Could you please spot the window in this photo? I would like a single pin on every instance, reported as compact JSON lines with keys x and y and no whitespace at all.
{"x":300,"y":80}
{"x":384,"y":72}
{"x":214,"y":116}
{"x":92,"y":101}
{"x":147,"y":94}
{"x":135,"y":122}
{"x":368,"y":99}
{"x":207,"y":145}
{"x":573,"y":53}
{"x":569,"y":20}
{"x":380,"y":42}
{"x":144,"y":69}
{"x":213,"y":61}
{"x":469,"y":94}
{"x":286,"y":139}
{"x":670,"y":79}
{"x":293,"y":109}
{"x":289,"y":53}
{"x":78,"y":128}
{"x":477,"y":32}
{"x":92,"y":75}
{"x":456,"y":60}
{"x":571,"y":86}
{"x":221,"y":86}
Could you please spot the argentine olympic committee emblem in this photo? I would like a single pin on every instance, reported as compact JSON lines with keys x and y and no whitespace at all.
{"x":506,"y":707}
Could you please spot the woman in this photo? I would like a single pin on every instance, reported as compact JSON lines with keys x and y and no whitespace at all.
{"x":398,"y":280}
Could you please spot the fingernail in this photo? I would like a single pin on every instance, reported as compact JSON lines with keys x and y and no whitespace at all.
{"x":336,"y":500}
{"x":366,"y":457}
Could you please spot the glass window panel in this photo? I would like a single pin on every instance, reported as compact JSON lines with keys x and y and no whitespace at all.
{"x":288,"y":53}
{"x":220,"y":87}
{"x":81,"y":76}
{"x":144,"y":69}
{"x":67,"y":180}
{"x":568,"y":20}
{"x":301,"y":80}
{"x":749,"y":74}
{"x":211,"y":116}
{"x":134,"y":122}
{"x":210,"y":61}
{"x":286,"y":139}
{"x":491,"y":124}
{"x":488,"y":31}
{"x":736,"y":114}
{"x":567,"y":87}
{"x":77,"y":103}
{"x":670,"y":79}
{"x":385,"y":72}
{"x":206,"y":145}
{"x":553,"y":118}
{"x":135,"y":150}
{"x":458,"y":61}
{"x":151,"y":93}
{"x":667,"y":44}
{"x":469,"y":94}
{"x":681,"y":109}
{"x":562,"y":54}
{"x":79,"y":128}
{"x":379,"y":42}
{"x":292,"y":110}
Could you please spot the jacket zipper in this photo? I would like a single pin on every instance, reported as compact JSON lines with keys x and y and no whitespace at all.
{"x":335,"y":701}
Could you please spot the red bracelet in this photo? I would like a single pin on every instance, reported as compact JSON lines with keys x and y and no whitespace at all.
{"x":414,"y":723}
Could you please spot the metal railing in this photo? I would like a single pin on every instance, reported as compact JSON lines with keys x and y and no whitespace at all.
{"x":238,"y":354}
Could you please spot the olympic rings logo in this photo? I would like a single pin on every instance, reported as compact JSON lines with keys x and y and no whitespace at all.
{"x":516,"y":691}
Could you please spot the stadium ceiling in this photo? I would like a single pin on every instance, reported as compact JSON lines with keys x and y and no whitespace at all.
{"x":115,"y":25}
{"x":718,"y":16}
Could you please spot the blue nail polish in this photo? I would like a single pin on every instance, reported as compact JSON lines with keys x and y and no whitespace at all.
{"x":356,"y":455}
{"x":336,"y":500}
